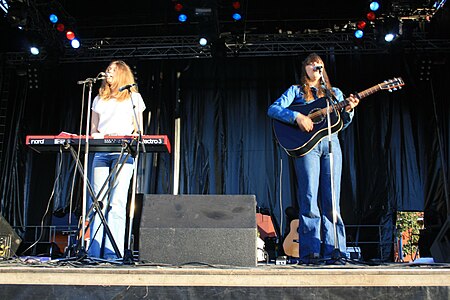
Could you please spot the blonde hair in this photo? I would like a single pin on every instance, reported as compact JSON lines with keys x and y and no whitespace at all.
{"x":122,"y":76}
{"x":305,"y":80}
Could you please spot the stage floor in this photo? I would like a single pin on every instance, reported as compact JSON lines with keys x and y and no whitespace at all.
{"x":30,"y":278}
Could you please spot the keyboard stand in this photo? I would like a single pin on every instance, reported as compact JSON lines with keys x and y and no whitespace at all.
{"x":96,"y":207}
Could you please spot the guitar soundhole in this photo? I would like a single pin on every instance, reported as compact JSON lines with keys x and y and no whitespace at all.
{"x":316,"y":116}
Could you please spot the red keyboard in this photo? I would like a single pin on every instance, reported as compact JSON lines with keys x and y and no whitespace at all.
{"x":53,"y":143}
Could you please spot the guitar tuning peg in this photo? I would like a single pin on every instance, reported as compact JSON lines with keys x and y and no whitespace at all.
{"x":390,"y":91}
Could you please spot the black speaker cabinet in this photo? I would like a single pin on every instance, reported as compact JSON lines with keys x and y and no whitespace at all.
{"x":9,"y":240}
{"x":440,"y":249}
{"x":211,"y":229}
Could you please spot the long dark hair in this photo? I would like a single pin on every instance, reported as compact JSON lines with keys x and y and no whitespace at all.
{"x":305,"y":80}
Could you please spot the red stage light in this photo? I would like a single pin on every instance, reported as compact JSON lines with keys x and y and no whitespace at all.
{"x":236,"y":4}
{"x":60,"y":27}
{"x":70,"y":35}
{"x":178,"y":7}
{"x":361,"y":25}
{"x":371,"y":16}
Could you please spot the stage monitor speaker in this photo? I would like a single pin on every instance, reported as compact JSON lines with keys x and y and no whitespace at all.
{"x":440,"y":249}
{"x":209,"y":229}
{"x":9,"y":240}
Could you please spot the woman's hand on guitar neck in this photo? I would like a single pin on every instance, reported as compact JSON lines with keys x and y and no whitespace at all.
{"x":353,"y":101}
{"x":304,"y":122}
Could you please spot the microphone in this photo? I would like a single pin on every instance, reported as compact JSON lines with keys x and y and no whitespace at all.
{"x":127,"y":87}
{"x":102,"y":76}
{"x":317,"y":68}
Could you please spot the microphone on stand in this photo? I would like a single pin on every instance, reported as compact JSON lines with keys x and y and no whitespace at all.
{"x":102,"y":76}
{"x":127,"y":87}
{"x":317,"y":68}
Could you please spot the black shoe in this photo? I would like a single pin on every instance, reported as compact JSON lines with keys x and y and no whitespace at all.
{"x":337,"y":262}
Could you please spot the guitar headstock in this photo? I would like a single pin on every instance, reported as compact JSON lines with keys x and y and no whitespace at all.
{"x":392,"y":84}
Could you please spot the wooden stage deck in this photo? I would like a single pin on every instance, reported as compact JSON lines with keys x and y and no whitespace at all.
{"x":31,"y":279}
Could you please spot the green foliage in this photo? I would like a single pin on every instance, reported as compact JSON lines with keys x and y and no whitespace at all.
{"x":408,"y":226}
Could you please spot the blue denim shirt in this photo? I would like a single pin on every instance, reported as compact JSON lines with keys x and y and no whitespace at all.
{"x":294,"y":95}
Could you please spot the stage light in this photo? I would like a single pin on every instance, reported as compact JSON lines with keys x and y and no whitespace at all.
{"x":359,"y":34}
{"x":389,"y":37}
{"x":182,"y":18}
{"x":70,"y":35}
{"x":60,"y":27}
{"x":361,"y":25}
{"x":33,"y":78}
{"x":371,"y":16}
{"x":4,"y":6}
{"x":374,"y":5}
{"x":438,"y":4}
{"x":425,"y":69}
{"x":391,"y":29}
{"x":237,"y":16}
{"x":178,"y":7}
{"x":34,"y":50}
{"x":75,"y":43}
{"x":53,"y":18}
{"x":203,"y":41}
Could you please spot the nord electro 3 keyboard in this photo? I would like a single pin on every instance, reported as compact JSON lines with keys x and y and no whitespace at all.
{"x":53,"y":143}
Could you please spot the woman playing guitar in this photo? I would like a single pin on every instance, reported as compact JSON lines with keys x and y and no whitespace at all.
{"x":316,"y":226}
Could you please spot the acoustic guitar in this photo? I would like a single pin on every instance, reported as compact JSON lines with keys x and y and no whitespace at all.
{"x":291,"y":242}
{"x":298,"y":143}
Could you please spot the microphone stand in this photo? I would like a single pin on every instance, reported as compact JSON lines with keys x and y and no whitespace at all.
{"x":128,"y":254}
{"x":82,"y":251}
{"x":89,"y":82}
{"x":336,"y":254}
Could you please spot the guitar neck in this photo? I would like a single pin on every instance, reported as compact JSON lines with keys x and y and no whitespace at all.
{"x":391,"y":85}
{"x":360,"y":95}
{"x":369,"y":91}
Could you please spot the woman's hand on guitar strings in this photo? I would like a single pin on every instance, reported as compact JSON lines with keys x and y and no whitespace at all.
{"x":304,"y":122}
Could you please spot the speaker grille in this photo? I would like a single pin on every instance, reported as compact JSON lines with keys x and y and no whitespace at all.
{"x":210,"y":229}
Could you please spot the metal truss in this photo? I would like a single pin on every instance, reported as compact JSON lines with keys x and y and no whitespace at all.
{"x":250,"y":45}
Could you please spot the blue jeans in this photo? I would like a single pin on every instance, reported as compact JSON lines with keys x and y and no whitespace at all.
{"x":100,"y":245}
{"x":316,"y":229}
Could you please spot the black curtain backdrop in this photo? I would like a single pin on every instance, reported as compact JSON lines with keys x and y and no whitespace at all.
{"x":393,"y":159}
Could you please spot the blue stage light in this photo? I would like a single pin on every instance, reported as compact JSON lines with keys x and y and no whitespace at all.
{"x":237,"y":16}
{"x":53,"y":18}
{"x":374,"y":6}
{"x":359,"y":34}
{"x":182,"y":18}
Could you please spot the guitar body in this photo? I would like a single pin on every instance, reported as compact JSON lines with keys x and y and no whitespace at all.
{"x":297,"y":142}
{"x":291,"y":243}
